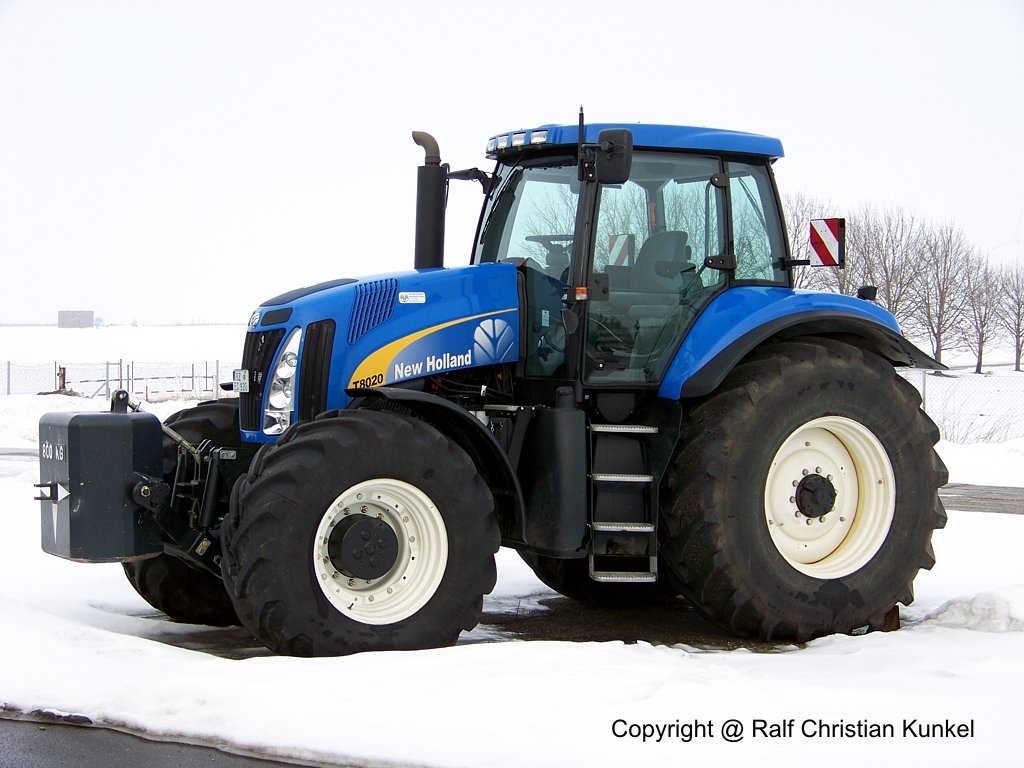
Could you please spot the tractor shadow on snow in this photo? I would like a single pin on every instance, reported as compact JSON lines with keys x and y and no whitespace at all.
{"x":561,"y":619}
{"x":540,"y":618}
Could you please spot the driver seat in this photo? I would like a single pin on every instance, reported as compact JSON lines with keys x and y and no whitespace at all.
{"x":662,"y":258}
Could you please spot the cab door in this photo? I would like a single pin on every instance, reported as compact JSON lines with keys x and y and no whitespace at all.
{"x":654,"y":236}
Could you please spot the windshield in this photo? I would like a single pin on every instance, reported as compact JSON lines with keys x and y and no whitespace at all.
{"x":529,"y":221}
{"x":531,"y":215}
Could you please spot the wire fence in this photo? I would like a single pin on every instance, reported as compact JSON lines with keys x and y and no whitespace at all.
{"x":150,"y":381}
{"x":971,"y":407}
{"x":968,"y":407}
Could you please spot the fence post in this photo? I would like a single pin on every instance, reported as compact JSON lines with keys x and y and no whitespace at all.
{"x":924,"y":391}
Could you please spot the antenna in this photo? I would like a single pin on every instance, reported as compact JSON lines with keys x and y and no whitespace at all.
{"x":579,"y":148}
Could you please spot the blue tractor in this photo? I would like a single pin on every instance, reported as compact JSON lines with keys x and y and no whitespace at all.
{"x":622,"y":385}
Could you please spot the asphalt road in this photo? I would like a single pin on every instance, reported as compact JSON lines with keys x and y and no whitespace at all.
{"x":26,"y":744}
{"x":33,"y":744}
{"x":983,"y":498}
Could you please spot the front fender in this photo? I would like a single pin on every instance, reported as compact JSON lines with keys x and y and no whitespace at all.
{"x":472,"y":436}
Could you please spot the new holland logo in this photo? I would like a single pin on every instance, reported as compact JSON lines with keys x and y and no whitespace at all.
{"x":492,"y":340}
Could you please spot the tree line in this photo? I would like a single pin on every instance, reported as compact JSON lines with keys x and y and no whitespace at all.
{"x":938,"y":285}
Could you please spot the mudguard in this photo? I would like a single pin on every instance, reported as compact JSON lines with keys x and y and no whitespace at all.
{"x":740,"y":319}
{"x":466,"y":430}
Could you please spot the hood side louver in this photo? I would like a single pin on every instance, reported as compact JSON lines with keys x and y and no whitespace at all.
{"x":375,"y":301}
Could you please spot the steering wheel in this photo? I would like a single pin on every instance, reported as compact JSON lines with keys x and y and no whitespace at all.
{"x":551,"y":243}
{"x":558,"y":249}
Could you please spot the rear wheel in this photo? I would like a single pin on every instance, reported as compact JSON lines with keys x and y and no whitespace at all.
{"x":804,"y":494}
{"x":168,"y":583}
{"x":361,"y":531}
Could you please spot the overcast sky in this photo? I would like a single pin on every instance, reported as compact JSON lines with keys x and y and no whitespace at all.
{"x":183,"y":160}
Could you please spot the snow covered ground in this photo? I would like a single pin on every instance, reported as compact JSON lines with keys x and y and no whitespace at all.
{"x":77,"y":639}
{"x":48,"y":344}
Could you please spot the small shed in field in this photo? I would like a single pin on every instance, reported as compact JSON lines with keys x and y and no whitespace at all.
{"x":76,"y":318}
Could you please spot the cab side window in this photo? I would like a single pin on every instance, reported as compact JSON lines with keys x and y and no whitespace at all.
{"x":756,"y":231}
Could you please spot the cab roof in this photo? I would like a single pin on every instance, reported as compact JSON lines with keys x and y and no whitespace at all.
{"x":644,"y":136}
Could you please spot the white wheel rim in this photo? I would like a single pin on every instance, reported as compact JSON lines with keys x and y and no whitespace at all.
{"x":846,"y":538}
{"x":418,"y":569}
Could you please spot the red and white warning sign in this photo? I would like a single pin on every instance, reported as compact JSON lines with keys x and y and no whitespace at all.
{"x":621,"y":249}
{"x":828,"y":242}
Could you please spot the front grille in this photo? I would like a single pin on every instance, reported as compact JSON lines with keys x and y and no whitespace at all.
{"x":317,"y":343}
{"x":375,"y":299}
{"x":257,"y":357}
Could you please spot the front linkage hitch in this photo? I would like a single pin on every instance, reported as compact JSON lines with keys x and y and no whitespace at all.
{"x":189,"y":510}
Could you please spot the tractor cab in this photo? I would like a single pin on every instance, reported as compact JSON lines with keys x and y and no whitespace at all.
{"x":615,"y":266}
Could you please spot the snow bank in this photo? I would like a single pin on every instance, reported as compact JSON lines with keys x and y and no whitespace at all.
{"x":19,"y":415}
{"x":1001,"y":610}
{"x":985,"y":463}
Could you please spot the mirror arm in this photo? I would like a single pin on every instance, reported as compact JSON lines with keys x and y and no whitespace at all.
{"x":474,"y":174}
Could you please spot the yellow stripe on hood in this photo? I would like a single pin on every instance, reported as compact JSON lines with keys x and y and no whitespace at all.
{"x":376,"y":364}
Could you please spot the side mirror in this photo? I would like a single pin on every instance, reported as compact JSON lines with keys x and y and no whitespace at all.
{"x":613,"y":158}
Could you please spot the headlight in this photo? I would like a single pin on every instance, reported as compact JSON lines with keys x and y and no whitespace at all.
{"x":499,"y":145}
{"x":281,"y":390}
{"x":286,"y":365}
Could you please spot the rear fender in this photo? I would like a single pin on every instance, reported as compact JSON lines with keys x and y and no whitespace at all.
{"x":743,"y":318}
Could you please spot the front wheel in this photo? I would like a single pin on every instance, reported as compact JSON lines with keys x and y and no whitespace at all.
{"x":804,"y":495}
{"x":361,"y":531}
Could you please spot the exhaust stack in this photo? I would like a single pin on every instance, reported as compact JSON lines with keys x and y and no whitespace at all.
{"x":431,"y":193}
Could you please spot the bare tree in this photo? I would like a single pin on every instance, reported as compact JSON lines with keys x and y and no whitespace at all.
{"x":1011,"y":307}
{"x":891,"y":244}
{"x":940,"y":295}
{"x":981,"y":306}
